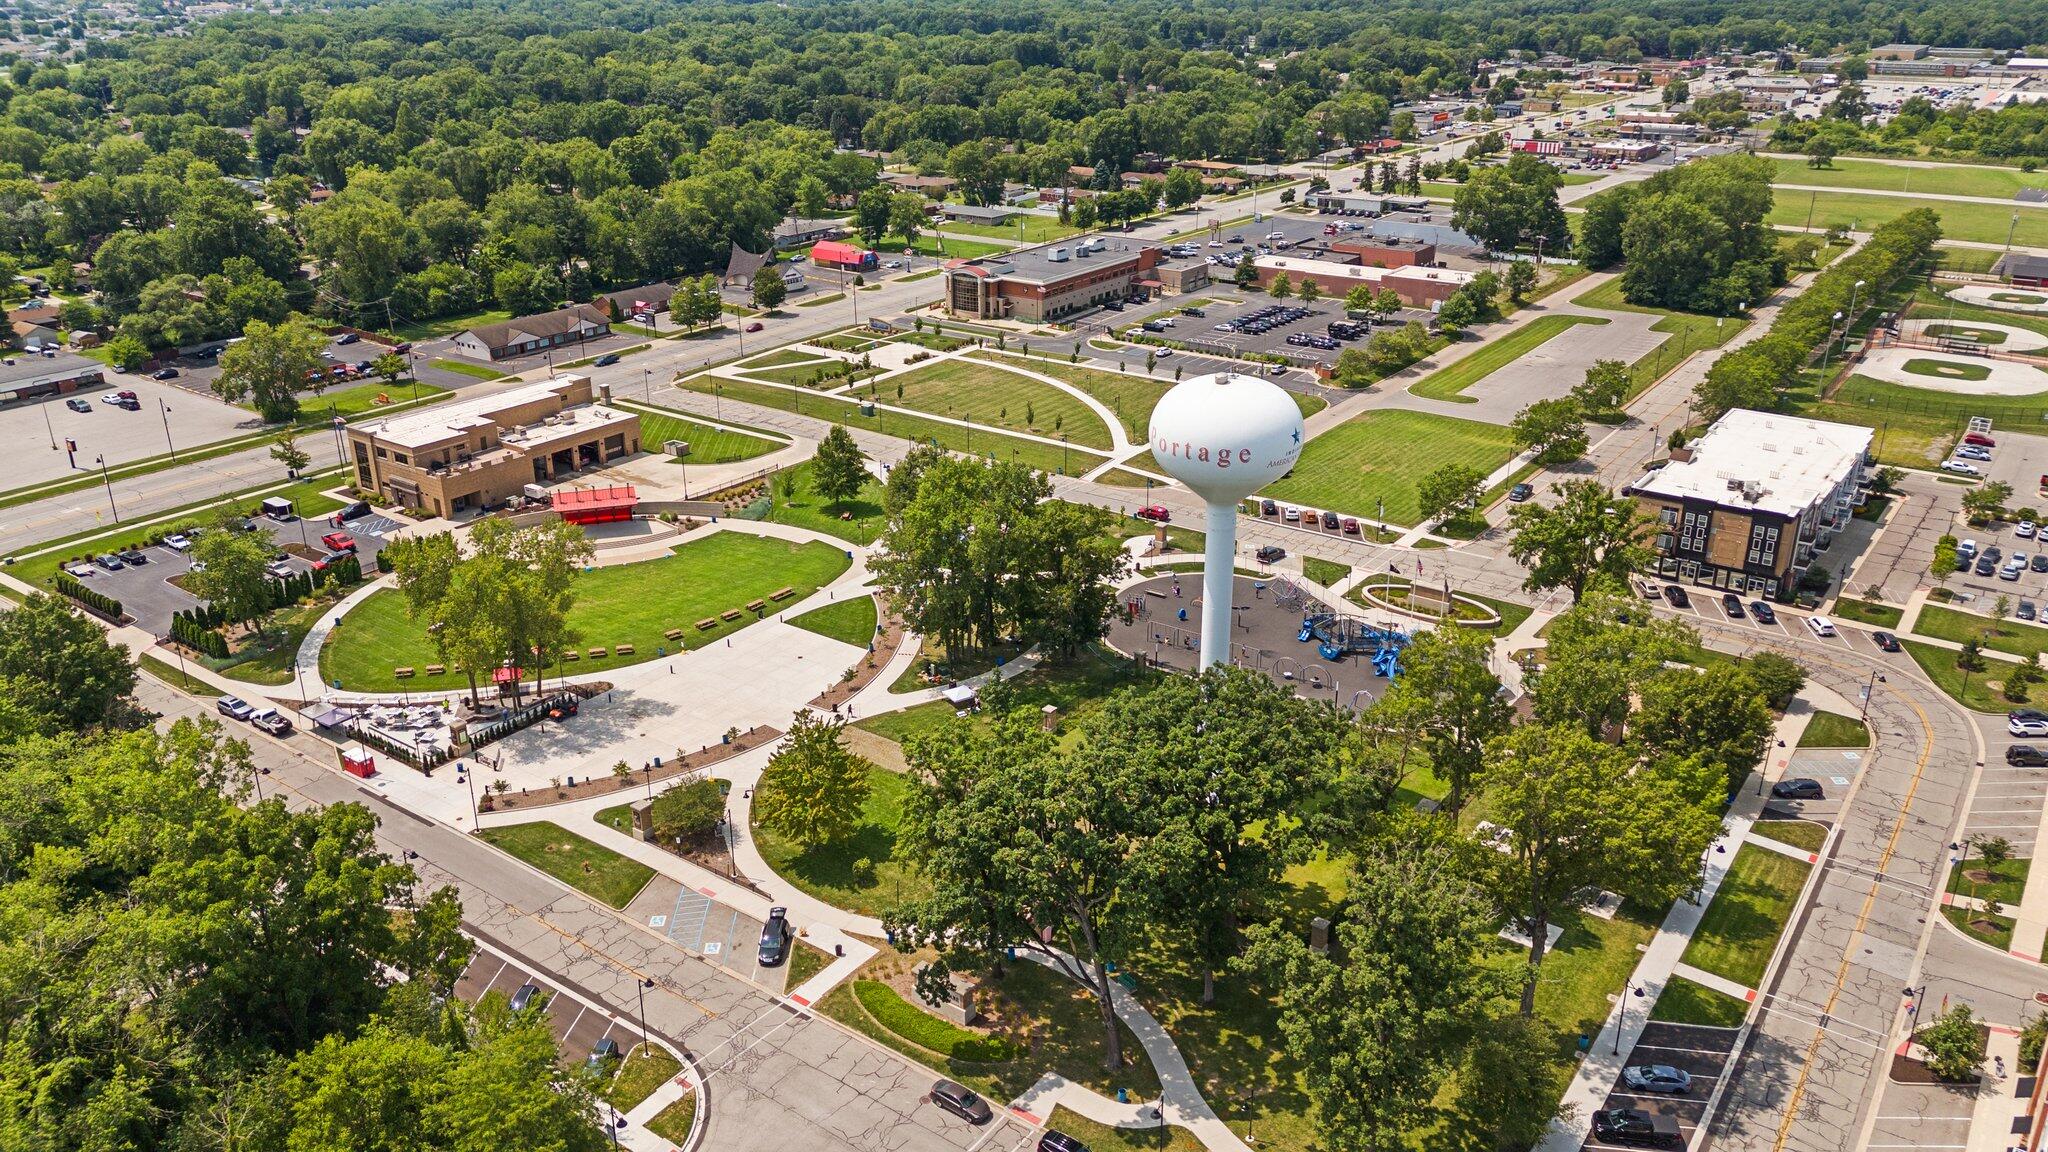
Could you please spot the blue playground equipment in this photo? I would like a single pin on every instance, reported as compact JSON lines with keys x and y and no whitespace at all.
{"x":1338,"y":636}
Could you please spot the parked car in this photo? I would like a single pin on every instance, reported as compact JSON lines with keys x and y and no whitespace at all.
{"x":1676,"y":597}
{"x":606,"y":360}
{"x":1635,"y":1126}
{"x":1820,"y":626}
{"x":164,"y":374}
{"x":1732,"y":605}
{"x":603,"y":1055}
{"x":1268,"y":508}
{"x":2029,"y":728}
{"x":961,"y":1101}
{"x":1351,"y":525}
{"x":339,"y":542}
{"x":133,"y":557}
{"x":1763,"y":612}
{"x":774,"y":938}
{"x":2025,"y":611}
{"x":1330,"y":521}
{"x":1972,"y":452}
{"x":272,"y":721}
{"x":1054,"y":1140}
{"x":2026,"y":714}
{"x":326,"y":560}
{"x":234,"y":708}
{"x":1961,"y":468}
{"x":109,"y":562}
{"x":2026,"y":756}
{"x":1885,"y":640}
{"x":1291,"y":515}
{"x":355,"y":511}
{"x":346,"y":338}
{"x":279,"y":568}
{"x":1659,"y":1078}
{"x":178,"y":542}
{"x":524,"y":997}
{"x":1520,"y":492}
{"x":78,"y":404}
{"x":1798,"y":788}
{"x":1271,"y":554}
{"x":1980,"y":439}
{"x":1154,"y":512}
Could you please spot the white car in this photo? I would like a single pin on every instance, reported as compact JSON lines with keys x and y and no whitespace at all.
{"x":178,"y":542}
{"x":1165,"y":352}
{"x":2027,"y":727}
{"x":279,"y":568}
{"x":1821,"y":626}
{"x":2024,"y":530}
{"x":1961,"y":468}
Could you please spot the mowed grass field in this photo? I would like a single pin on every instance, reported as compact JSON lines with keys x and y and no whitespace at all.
{"x":624,"y":603}
{"x":1980,"y":223}
{"x":1026,"y":228}
{"x":1740,"y":929}
{"x":1450,"y":383}
{"x":708,"y":444}
{"x":1382,"y":454}
{"x":991,"y":396}
{"x":1131,"y":395}
{"x":1877,"y":176}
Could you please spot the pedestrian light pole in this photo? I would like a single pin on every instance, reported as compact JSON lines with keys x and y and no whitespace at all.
{"x":109,"y":482}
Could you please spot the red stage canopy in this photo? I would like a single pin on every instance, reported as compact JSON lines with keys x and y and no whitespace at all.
{"x":597,"y":505}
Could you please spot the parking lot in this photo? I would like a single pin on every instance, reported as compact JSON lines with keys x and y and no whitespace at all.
{"x":576,"y":1020}
{"x":716,"y":931}
{"x":1700,"y":1051}
{"x":147,"y":594}
{"x":118,"y":434}
{"x":1202,"y":333}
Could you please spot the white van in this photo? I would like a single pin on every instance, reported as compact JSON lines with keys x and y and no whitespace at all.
{"x":1821,"y":626}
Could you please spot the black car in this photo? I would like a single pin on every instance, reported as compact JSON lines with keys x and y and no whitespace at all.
{"x":2026,"y":714}
{"x":134,"y":557}
{"x":1763,"y":612}
{"x":775,"y":938}
{"x":1676,"y":596}
{"x":1732,"y":605}
{"x":164,"y":374}
{"x":1330,"y":521}
{"x":524,"y":997}
{"x":346,"y":338}
{"x":603,"y":1055}
{"x":1520,"y":492}
{"x":1054,"y":1140}
{"x":1635,"y":1126}
{"x":2026,"y":756}
{"x":1798,"y":788}
{"x":606,"y":360}
{"x":1885,"y":640}
{"x":961,"y":1101}
{"x":355,"y":511}
{"x":1271,"y":554}
{"x":1986,"y":566}
{"x":1268,"y":508}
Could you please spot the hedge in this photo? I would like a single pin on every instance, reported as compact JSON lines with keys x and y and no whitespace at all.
{"x":925,"y":1030}
{"x":98,"y":602}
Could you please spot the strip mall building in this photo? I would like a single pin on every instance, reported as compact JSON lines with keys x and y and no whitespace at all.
{"x":1046,"y":283}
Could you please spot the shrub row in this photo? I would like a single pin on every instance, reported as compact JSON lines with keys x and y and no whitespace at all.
{"x":99,"y":602}
{"x":187,"y":629}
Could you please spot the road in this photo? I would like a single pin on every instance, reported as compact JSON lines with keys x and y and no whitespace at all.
{"x":777,"y":1078}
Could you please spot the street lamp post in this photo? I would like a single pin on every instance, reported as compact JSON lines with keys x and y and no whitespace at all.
{"x":1827,"y":349}
{"x":1869,"y":687}
{"x":109,"y":482}
{"x":641,"y":986}
{"x":1621,"y":1016}
{"x":165,"y":409}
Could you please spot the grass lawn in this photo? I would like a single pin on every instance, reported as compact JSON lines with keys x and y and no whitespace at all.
{"x":1024,"y":227}
{"x":780,"y":357}
{"x":804,"y":509}
{"x":709,"y":444}
{"x":1131,"y":395}
{"x":990,"y":396}
{"x":952,"y":437}
{"x":1511,"y":614}
{"x":1967,"y":688}
{"x":592,"y":869}
{"x":1865,"y":612}
{"x":1833,"y":730}
{"x":357,"y":399}
{"x":2008,"y":636}
{"x":449,"y":325}
{"x":1965,"y":332}
{"x":1119,"y":478}
{"x":623,"y":603}
{"x":811,"y":375}
{"x":673,"y":1122}
{"x":269,"y":659}
{"x":1686,"y":1002}
{"x":645,"y":1068}
{"x":1960,"y":220}
{"x":1929,"y":304}
{"x":1740,"y":929}
{"x":1798,"y":833}
{"x":805,"y":962}
{"x":1450,"y":383}
{"x":2008,"y":883}
{"x":814,"y":301}
{"x":914,"y":1023}
{"x":1946,"y":369}
{"x":1381,"y":455}
{"x":827,"y":872}
{"x":169,"y":674}
{"x":1103,"y":1138}
{"x":948,"y":247}
{"x":465,"y":368}
{"x":1973,"y":260}
{"x":1998,"y":934}
{"x":1324,"y":572}
{"x":1915,"y":426}
{"x":1876,"y":176}
{"x":852,"y":621}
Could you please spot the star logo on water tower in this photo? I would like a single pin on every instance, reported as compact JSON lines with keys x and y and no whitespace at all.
{"x":1297,"y":435}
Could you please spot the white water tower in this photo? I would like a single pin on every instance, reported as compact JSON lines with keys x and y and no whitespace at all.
{"x":1225,"y":437}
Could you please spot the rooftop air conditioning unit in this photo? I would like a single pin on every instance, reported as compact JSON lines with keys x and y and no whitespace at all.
{"x":1057,"y":255}
{"x":676,"y":448}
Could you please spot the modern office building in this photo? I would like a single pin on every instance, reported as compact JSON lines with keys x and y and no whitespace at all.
{"x":1051,"y":281}
{"x":1417,"y":287}
{"x":1749,"y":505}
{"x":474,"y":454}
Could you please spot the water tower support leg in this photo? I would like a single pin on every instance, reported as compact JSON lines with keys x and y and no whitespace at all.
{"x":1219,"y":556}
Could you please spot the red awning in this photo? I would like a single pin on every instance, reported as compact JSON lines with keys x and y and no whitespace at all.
{"x":505,"y":675}
{"x":838,"y":252}
{"x":610,"y":497}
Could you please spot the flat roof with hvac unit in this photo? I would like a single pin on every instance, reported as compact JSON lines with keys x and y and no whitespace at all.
{"x":1762,"y":461}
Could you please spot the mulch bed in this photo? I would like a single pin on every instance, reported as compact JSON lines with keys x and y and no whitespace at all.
{"x":864,"y":673}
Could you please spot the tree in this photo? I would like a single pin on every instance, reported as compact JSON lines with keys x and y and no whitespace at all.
{"x":1504,"y":206}
{"x":1778,"y":677}
{"x":1448,"y":492}
{"x":1677,"y":92}
{"x":1247,"y":273}
{"x":286,"y":451}
{"x":1954,"y":1045}
{"x":907,"y":216}
{"x":1376,"y":1023}
{"x":812,"y":789}
{"x":1458,"y":313}
{"x":59,"y":665}
{"x":1281,"y":288}
{"x":1554,"y":429}
{"x":230,"y":568}
{"x":839,"y":467}
{"x":1601,"y":394}
{"x":1589,"y":532}
{"x":1505,"y":1085}
{"x":688,"y":811}
{"x":1986,"y":501}
{"x":127,"y":352}
{"x":1308,"y":291}
{"x":270,"y":364}
{"x":1600,"y":651}
{"x":871,"y":215}
{"x":1722,"y":720}
{"x":1521,"y":279}
{"x":769,"y":291}
{"x":1448,"y":695}
{"x":1821,"y":152}
{"x":389,"y":367}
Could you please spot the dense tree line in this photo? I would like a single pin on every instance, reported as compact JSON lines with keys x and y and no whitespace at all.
{"x":1694,"y":237}
{"x":2017,"y":132}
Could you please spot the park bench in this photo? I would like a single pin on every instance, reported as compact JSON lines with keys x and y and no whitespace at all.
{"x":597,"y":653}
{"x":402,"y":673}
{"x":622,"y":649}
{"x":435,"y":670}
{"x":782,"y":594}
{"x":756,"y":605}
{"x":706,"y":623}
{"x":569,"y":655}
{"x":674,"y":634}
{"x":730,"y":614}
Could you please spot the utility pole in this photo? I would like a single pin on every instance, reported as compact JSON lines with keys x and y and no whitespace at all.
{"x":165,"y":409}
{"x":109,"y":482}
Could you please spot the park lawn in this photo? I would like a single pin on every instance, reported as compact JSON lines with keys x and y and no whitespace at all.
{"x":618,"y":604}
{"x":1876,"y":176}
{"x":1686,"y":1002}
{"x":270,"y":658}
{"x":1973,"y":260}
{"x":1025,"y":228}
{"x":172,"y":676}
{"x":356,"y":399}
{"x":1324,"y":572}
{"x":2009,"y":636}
{"x":673,"y":1122}
{"x":1075,"y":687}
{"x":1798,"y":833}
{"x":1450,"y":383}
{"x":1392,"y":588}
{"x":709,"y":444}
{"x":780,"y":357}
{"x":645,"y":1068}
{"x":803,"y":375}
{"x":993,"y":397}
{"x":1966,"y":688}
{"x":803,"y":508}
{"x":1946,"y":369}
{"x":1098,"y":1137}
{"x":1590,"y":965}
{"x":1865,"y":612}
{"x":1960,"y":220}
{"x":1121,"y":478}
{"x":1928,"y":304}
{"x":952,"y":437}
{"x":592,"y":869}
{"x":849,"y":621}
{"x":1834,"y":730}
{"x":2009,"y":884}
{"x":1740,"y":929}
{"x":449,"y":325}
{"x":1131,"y":396}
{"x":1991,"y":336}
{"x":465,"y":368}
{"x":948,"y":247}
{"x":827,"y":871}
{"x":1789,"y":244}
{"x":1382,"y":455}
